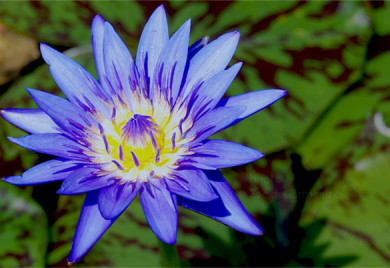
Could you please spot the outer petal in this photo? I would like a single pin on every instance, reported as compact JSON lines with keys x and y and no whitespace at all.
{"x":195,"y":47}
{"x":54,"y":144}
{"x":214,"y":121}
{"x":65,"y":114}
{"x":226,"y":209}
{"x":253,"y":101}
{"x":79,"y":86}
{"x":34,"y":121}
{"x":223,"y":154}
{"x":192,"y":184}
{"x":213,"y":89}
{"x":210,"y":60}
{"x":172,"y":61}
{"x":97,"y":30}
{"x":118,"y":62}
{"x":53,"y":170}
{"x":85,"y":180}
{"x":115,"y":199}
{"x":90,"y":228}
{"x":160,"y":211}
{"x":153,"y":38}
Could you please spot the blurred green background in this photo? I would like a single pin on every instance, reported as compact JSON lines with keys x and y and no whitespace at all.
{"x":322,"y":192}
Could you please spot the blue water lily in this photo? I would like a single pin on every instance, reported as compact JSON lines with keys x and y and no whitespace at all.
{"x":142,"y":128}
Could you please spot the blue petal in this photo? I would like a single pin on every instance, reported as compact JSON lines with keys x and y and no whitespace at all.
{"x":153,"y":38}
{"x":65,"y":114}
{"x":226,"y":209}
{"x":53,"y":170}
{"x":115,"y":199}
{"x":210,"y":60}
{"x":34,"y":121}
{"x":85,"y":180}
{"x":97,"y":30}
{"x":214,"y":121}
{"x":223,"y":154}
{"x":118,"y":62}
{"x":79,"y":86}
{"x":253,"y":101}
{"x":172,"y":61}
{"x":53,"y":144}
{"x":195,"y":47}
{"x":213,"y":90}
{"x":160,"y":211}
{"x":192,"y":184}
{"x":90,"y":228}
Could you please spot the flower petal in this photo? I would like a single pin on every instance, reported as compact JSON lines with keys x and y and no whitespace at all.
{"x":115,"y":199}
{"x":214,"y":121}
{"x":53,"y":144}
{"x":49,"y":171}
{"x":79,"y":86}
{"x":172,"y":61}
{"x":90,"y":228}
{"x":195,"y":47}
{"x":85,"y":180}
{"x":65,"y":114}
{"x":153,"y":38}
{"x":223,"y":154}
{"x":210,"y":60}
{"x":213,"y":90}
{"x":253,"y":101}
{"x":192,"y":184}
{"x":160,"y":211}
{"x":118,"y":62}
{"x":226,"y":209}
{"x":34,"y":121}
{"x":97,"y":31}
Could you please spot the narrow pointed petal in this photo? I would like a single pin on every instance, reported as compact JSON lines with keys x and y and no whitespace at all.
{"x":213,"y":90}
{"x":34,"y":121}
{"x":253,"y":101}
{"x":65,"y":114}
{"x":214,"y":121}
{"x":160,"y":212}
{"x":153,"y":39}
{"x":78,"y":85}
{"x":210,"y":60}
{"x":53,"y":144}
{"x":226,"y":209}
{"x":90,"y":228}
{"x":49,"y":171}
{"x":118,"y":62}
{"x":115,"y":199}
{"x":192,"y":184}
{"x":195,"y":47}
{"x":172,"y":61}
{"x":223,"y":154}
{"x":85,"y":180}
{"x":97,"y":30}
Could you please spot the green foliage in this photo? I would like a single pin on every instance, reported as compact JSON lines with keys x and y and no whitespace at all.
{"x":321,"y":193}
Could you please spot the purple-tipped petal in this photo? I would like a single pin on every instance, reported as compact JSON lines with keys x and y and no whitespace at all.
{"x":90,"y":228}
{"x":210,"y":60}
{"x":160,"y":211}
{"x":115,"y":199}
{"x":223,"y":154}
{"x":118,"y":62}
{"x":172,"y":61}
{"x":53,"y":144}
{"x":213,"y":90}
{"x":65,"y":114}
{"x":34,"y":121}
{"x":153,"y":39}
{"x":84,"y":180}
{"x":253,"y":101}
{"x":214,"y":121}
{"x":226,"y":209}
{"x":79,"y":86}
{"x":192,"y":184}
{"x":52,"y":170}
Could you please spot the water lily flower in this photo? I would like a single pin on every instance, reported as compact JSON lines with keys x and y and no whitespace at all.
{"x":142,"y":128}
